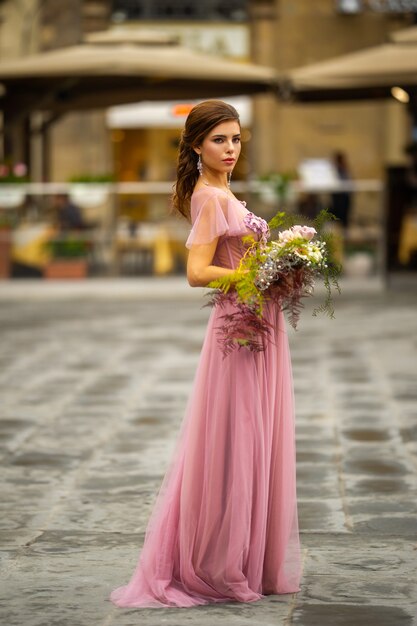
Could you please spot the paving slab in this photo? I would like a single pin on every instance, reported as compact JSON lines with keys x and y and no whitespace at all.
{"x":94,"y":380}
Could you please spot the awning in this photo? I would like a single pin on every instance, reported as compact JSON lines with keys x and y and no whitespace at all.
{"x":102,"y":74}
{"x":365,"y":74}
{"x":405,"y":35}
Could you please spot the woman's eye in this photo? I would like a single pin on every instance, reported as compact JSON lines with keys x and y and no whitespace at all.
{"x":220,"y":140}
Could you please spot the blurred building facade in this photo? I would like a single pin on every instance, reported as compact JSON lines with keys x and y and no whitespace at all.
{"x":291,"y":34}
{"x":279,"y":33}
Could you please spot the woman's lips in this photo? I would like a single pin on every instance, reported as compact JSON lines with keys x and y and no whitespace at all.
{"x":228,"y":161}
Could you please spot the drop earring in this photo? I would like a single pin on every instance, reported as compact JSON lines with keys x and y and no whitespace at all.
{"x":229,"y":178}
{"x":200,"y":165}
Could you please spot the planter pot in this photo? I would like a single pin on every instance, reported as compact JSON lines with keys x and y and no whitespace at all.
{"x":11,"y":196}
{"x":268,"y":194}
{"x":88,"y":195}
{"x":66,"y":268}
{"x":5,"y":251}
{"x":360,"y":265}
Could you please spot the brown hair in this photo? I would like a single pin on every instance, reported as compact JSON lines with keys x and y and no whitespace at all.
{"x":200,"y":121}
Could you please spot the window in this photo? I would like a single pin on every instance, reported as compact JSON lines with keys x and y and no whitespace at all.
{"x":223,"y":10}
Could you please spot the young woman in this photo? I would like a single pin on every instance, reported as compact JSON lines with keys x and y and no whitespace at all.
{"x":224,"y":527}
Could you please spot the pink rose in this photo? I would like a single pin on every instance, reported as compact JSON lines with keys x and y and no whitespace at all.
{"x":306,"y":232}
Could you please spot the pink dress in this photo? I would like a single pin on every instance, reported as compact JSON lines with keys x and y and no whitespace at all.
{"x":224,"y":526}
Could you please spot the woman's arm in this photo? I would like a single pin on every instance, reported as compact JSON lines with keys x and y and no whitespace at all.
{"x":200,"y":271}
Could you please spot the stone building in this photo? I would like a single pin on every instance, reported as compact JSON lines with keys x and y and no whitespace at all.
{"x":279,"y":33}
{"x":293,"y":33}
{"x":282,"y":33}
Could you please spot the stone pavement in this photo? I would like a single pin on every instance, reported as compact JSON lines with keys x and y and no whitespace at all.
{"x":94,"y":379}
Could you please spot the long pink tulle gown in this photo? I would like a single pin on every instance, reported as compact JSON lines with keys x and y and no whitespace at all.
{"x":224,"y":526}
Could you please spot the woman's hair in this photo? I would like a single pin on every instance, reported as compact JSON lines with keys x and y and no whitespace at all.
{"x":200,"y":121}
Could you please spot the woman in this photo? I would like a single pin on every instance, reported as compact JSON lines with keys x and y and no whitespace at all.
{"x":224,"y":527}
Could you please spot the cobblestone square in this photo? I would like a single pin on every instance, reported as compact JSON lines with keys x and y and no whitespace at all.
{"x":94,"y":379}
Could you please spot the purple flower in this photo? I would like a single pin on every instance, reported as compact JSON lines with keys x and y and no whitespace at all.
{"x":258,"y":225}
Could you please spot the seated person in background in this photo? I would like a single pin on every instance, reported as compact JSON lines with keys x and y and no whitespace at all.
{"x":69,"y":216}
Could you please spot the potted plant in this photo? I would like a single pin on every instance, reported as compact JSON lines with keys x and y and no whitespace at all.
{"x":90,"y":190}
{"x":274,"y":188}
{"x":11,"y":178}
{"x":69,"y":257}
{"x":359,"y":259}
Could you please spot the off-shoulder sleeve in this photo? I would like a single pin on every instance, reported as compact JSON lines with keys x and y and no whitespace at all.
{"x":210,"y":218}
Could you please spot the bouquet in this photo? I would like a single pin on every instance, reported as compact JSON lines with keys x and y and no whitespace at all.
{"x":282,"y":270}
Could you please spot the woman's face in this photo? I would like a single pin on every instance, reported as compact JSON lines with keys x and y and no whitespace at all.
{"x":220,"y":149}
